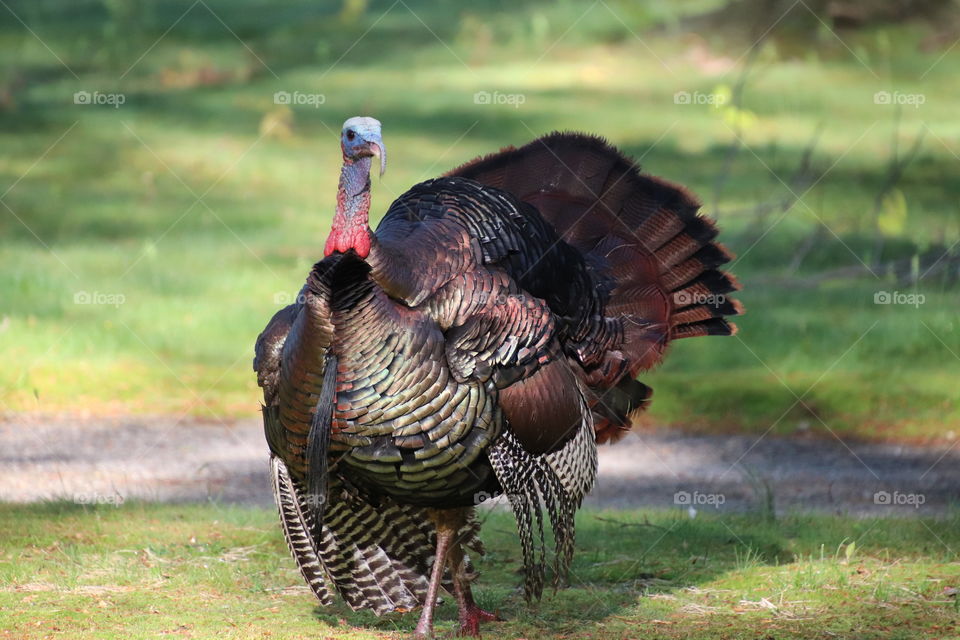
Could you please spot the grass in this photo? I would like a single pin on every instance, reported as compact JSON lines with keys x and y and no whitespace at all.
{"x":214,"y":571}
{"x":191,"y":212}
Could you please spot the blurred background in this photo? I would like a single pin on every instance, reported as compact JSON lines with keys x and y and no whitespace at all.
{"x":167,"y":178}
{"x":168,"y":173}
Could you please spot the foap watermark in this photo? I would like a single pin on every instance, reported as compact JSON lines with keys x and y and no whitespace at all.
{"x":687,"y":298}
{"x":496,"y":97}
{"x":298,"y":98}
{"x":480,"y":497}
{"x":485,"y":297}
{"x":308,"y":500}
{"x":898,"y":499}
{"x":699,"y":97}
{"x":484,"y":496}
{"x":688,"y":499}
{"x":897,"y":297}
{"x":99,"y":298}
{"x":98,"y":98}
{"x":114,"y":499}
{"x":285,"y":298}
{"x":896,"y":97}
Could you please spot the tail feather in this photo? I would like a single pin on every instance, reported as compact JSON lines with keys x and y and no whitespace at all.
{"x":714,"y":327}
{"x":710,"y":282}
{"x":677,"y":250}
{"x":642,"y":234}
{"x":687,"y":270}
{"x":702,"y":312}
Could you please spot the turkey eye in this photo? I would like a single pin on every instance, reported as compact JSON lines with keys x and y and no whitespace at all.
{"x":351,"y":135}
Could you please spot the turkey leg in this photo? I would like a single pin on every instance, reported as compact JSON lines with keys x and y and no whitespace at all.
{"x":470,"y":613}
{"x":446,"y":523}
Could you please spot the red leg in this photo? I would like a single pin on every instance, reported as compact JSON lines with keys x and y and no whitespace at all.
{"x":470,"y":613}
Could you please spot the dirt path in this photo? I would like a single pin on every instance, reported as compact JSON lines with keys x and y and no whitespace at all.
{"x":109,"y":460}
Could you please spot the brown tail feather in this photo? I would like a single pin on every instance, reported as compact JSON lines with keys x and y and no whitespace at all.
{"x":643,"y":235}
{"x":713,"y":327}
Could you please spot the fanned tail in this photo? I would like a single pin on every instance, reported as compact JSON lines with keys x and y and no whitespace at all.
{"x":654,"y":257}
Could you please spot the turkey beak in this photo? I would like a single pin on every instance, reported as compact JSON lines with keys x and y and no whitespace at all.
{"x":377,"y":149}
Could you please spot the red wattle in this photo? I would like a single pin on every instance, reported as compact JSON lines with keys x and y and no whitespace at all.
{"x":361,"y":243}
{"x":350,"y":223}
{"x":342,"y":240}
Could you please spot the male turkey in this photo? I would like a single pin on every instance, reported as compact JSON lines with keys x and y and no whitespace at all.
{"x":482,"y":341}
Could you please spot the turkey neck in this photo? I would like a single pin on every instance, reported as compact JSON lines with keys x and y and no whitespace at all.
{"x":351,"y":228}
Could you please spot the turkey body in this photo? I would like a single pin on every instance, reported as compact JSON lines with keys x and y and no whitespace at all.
{"x":487,"y":343}
{"x":416,"y":398}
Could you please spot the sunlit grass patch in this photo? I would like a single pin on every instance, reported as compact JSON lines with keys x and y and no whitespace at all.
{"x":209,"y":571}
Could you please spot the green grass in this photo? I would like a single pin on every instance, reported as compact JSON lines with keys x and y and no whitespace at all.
{"x":212,"y":571}
{"x":113,"y":193}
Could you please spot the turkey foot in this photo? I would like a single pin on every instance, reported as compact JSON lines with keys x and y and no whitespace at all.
{"x":470,"y":617}
{"x":470,"y":613}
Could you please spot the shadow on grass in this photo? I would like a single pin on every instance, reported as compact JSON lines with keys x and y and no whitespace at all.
{"x":631,"y":566}
{"x":625,"y":560}
{"x":620,"y":557}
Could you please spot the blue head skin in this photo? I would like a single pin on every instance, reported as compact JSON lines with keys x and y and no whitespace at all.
{"x":360,"y":138}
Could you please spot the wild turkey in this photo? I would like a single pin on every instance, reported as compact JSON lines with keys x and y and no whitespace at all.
{"x":482,"y":341}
